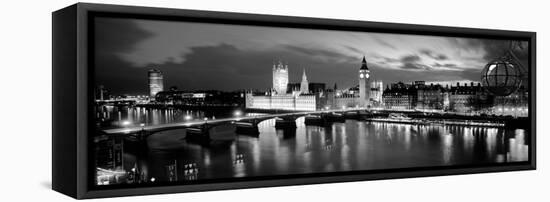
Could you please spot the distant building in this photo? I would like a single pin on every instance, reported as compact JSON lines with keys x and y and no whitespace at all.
{"x":209,"y":98}
{"x":515,"y":104}
{"x":156,"y":82}
{"x":181,"y":97}
{"x":376,"y":91}
{"x":317,"y":87}
{"x":345,"y":100}
{"x":429,"y":97}
{"x":469,"y":99}
{"x":400,"y":97}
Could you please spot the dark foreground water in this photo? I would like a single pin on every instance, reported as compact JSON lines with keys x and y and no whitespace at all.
{"x":350,"y":146}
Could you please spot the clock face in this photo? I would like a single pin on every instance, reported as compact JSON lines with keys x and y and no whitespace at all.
{"x":367,"y":75}
{"x":361,"y":75}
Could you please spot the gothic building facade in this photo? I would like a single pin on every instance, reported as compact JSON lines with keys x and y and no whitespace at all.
{"x":280,"y":77}
{"x":307,"y":96}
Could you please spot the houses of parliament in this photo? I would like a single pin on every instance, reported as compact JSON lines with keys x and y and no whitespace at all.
{"x":308,"y":96}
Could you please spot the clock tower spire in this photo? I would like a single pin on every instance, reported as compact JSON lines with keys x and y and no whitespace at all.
{"x":364,"y":85}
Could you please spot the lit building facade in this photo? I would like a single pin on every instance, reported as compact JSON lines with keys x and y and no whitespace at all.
{"x":346,"y":101}
{"x":400,"y":97}
{"x":303,"y":102}
{"x":285,"y":95}
{"x":376,"y":91}
{"x":156,"y":82}
{"x":307,"y":96}
{"x":430,"y":97}
{"x":469,"y":99}
{"x":280,"y":77}
{"x":361,"y":95}
{"x":515,"y":104}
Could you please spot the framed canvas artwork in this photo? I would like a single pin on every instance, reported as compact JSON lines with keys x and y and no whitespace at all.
{"x":156,"y":100}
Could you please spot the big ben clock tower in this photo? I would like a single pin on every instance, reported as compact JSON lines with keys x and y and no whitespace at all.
{"x":364,"y":84}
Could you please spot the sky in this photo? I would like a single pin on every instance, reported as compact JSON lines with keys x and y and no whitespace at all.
{"x":203,"y":56}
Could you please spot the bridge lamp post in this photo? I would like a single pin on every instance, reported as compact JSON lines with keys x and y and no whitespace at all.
{"x":142,"y":125}
{"x":237,"y":113}
{"x":126,"y":123}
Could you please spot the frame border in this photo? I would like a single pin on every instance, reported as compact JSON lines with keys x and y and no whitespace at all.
{"x":84,"y":87}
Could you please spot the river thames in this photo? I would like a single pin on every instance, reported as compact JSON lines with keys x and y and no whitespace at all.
{"x":349,"y":146}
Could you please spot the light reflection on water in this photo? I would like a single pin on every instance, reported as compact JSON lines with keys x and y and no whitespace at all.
{"x":353,"y":145}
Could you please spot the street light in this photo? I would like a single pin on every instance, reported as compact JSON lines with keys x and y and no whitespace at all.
{"x":237,"y":113}
{"x":187,"y":117}
{"x":126,"y":123}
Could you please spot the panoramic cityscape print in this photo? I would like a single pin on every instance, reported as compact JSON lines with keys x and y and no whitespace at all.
{"x":179,"y":102}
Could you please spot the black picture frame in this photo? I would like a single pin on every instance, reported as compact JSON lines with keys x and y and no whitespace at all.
{"x":73,"y":80}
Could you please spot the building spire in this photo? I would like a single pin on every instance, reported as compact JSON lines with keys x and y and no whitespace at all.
{"x":304,"y":86}
{"x":364,"y":64}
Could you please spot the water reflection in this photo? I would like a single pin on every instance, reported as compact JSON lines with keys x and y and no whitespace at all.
{"x":353,"y":145}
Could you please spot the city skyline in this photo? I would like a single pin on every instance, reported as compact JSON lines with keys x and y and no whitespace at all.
{"x":229,"y":57}
{"x":233,"y":101}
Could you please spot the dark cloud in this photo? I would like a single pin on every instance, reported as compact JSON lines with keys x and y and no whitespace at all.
{"x":414,"y":66}
{"x":117,"y":35}
{"x":112,"y":38}
{"x":498,"y":48}
{"x":431,"y":54}
{"x":494,"y":49}
{"x":412,"y":62}
{"x":410,"y":58}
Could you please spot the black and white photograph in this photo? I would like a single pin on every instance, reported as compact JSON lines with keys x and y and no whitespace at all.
{"x":179,"y":102}
{"x":275,"y":101}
